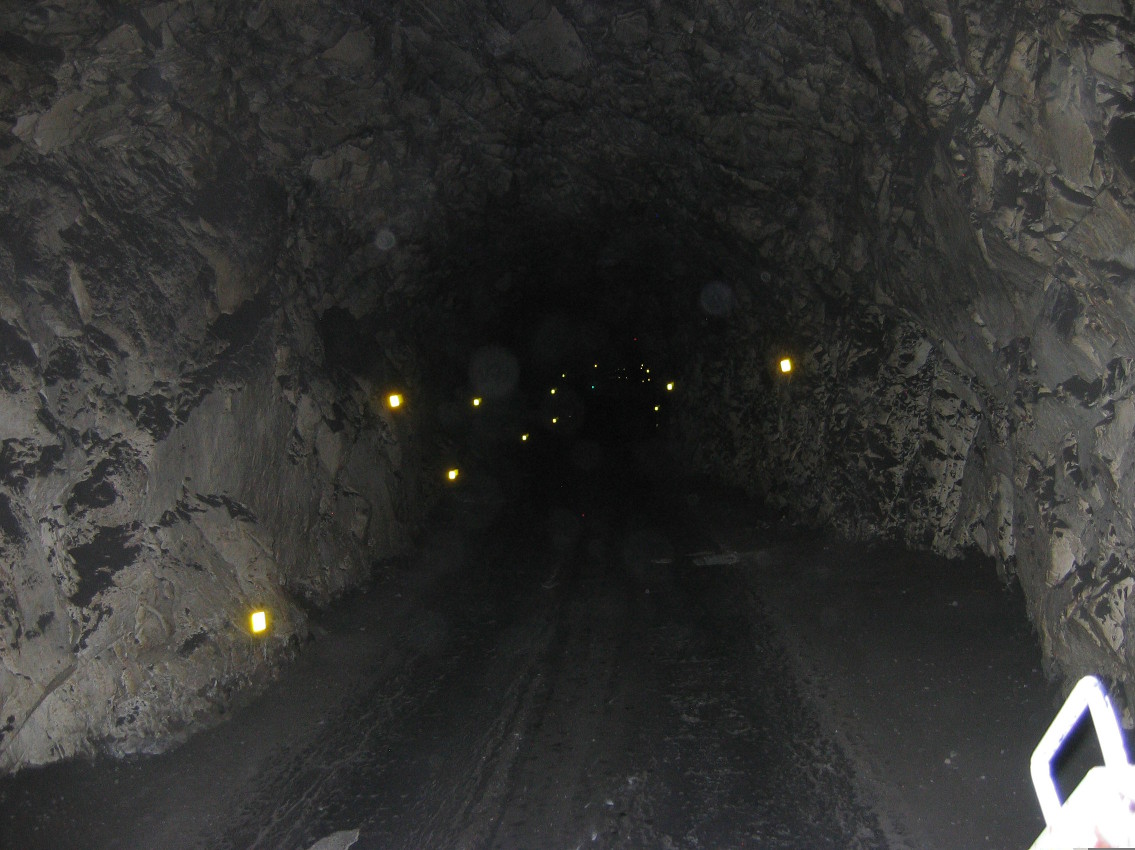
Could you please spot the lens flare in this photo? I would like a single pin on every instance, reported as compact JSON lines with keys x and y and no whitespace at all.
{"x":384,"y":240}
{"x":716,"y":298}
{"x":493,"y":372}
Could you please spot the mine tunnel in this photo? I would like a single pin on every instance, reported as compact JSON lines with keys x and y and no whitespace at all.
{"x":555,"y":423}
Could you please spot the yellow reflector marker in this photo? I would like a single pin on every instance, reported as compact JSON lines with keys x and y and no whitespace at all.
{"x":553,"y":390}
{"x":555,"y":419}
{"x":259,"y":622}
{"x":476,"y":402}
{"x":524,"y":438}
{"x":670,"y":386}
{"x":656,"y":408}
{"x":394,"y":400}
{"x":786,"y":365}
{"x":452,"y":474}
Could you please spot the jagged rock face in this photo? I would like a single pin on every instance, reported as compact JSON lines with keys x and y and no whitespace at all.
{"x":983,"y":398}
{"x":225,"y":226}
{"x":175,"y":447}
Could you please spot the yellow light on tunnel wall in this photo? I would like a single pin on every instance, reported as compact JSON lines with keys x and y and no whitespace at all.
{"x":524,"y":438}
{"x":258,"y":622}
{"x":476,"y":402}
{"x":555,"y":419}
{"x":553,"y":391}
{"x":785,"y":365}
{"x":452,"y":474}
{"x":394,"y":400}
{"x":670,"y":386}
{"x":657,"y":408}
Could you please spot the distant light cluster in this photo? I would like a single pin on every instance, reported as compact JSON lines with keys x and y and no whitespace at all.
{"x":559,"y":413}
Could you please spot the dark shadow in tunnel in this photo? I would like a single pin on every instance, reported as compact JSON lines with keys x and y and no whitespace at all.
{"x":585,"y":305}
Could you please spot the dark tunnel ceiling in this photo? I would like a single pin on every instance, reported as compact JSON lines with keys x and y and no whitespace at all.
{"x":616,"y":284}
{"x":608,"y":186}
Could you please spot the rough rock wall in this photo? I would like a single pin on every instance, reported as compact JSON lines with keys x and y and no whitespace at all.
{"x":175,"y":446}
{"x":961,"y":314}
{"x":928,"y":201}
{"x":1035,"y":179}
{"x":874,"y":433}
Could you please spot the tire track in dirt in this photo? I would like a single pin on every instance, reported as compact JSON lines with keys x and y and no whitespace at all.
{"x":419,"y":757}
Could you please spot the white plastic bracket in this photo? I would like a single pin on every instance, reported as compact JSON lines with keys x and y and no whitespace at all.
{"x":1088,"y":695}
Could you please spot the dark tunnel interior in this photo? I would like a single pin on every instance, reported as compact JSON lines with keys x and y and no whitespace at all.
{"x":531,"y":423}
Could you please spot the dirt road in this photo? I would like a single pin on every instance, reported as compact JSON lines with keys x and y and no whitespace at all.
{"x":559,"y":672}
